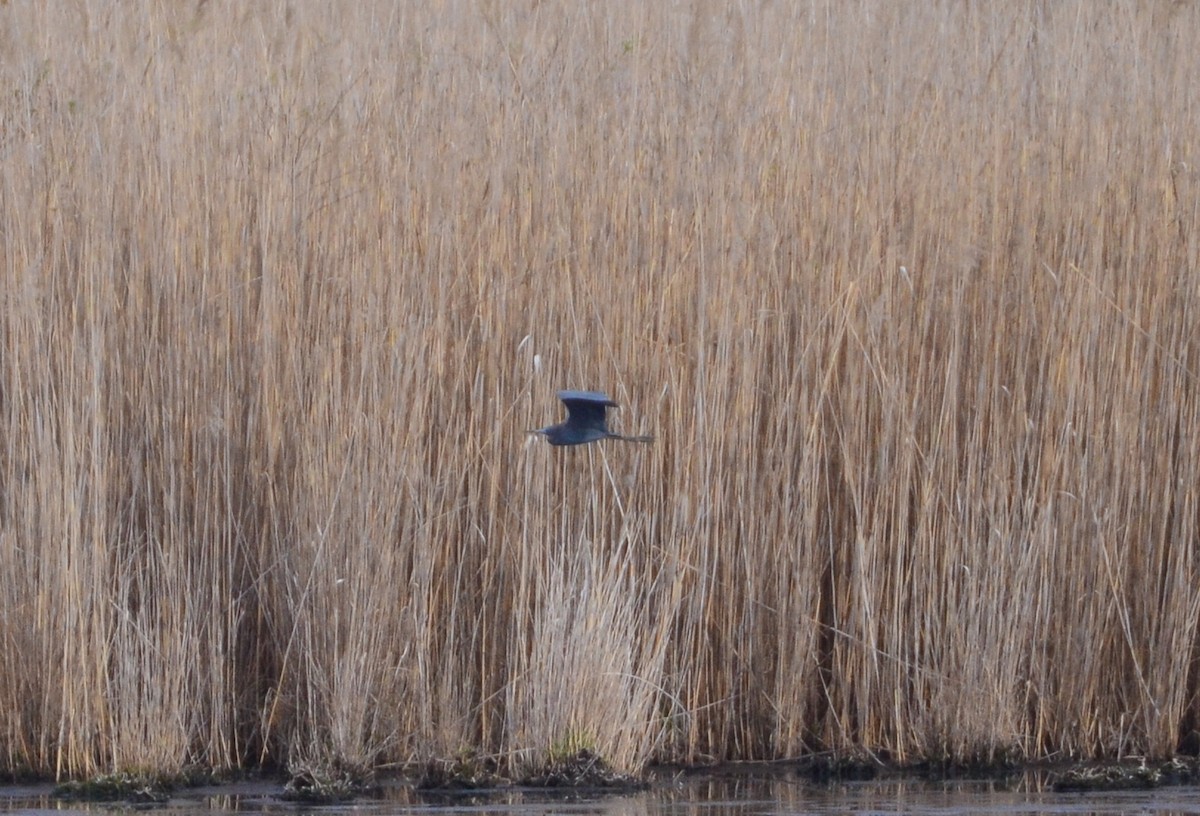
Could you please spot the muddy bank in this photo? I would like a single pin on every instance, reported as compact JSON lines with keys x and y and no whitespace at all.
{"x":585,"y":777}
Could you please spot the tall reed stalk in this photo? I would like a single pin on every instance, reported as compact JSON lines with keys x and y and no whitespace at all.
{"x":908,"y":294}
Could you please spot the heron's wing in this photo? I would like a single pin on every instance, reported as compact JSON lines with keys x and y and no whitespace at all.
{"x":597,"y":397}
{"x":585,"y":409}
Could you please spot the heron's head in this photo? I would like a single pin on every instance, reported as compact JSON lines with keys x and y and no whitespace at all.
{"x":557,"y":434}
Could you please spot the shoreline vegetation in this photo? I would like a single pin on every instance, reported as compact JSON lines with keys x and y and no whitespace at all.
{"x":476,"y":779}
{"x":907,"y":294}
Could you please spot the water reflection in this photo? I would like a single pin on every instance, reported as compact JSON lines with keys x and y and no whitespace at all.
{"x":726,"y":794}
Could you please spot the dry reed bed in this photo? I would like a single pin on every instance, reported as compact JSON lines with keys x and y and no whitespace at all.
{"x":907,"y":292}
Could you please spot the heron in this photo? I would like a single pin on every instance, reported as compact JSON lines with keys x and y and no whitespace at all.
{"x":585,"y":420}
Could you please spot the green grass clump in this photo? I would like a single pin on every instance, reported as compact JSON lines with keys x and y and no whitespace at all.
{"x":138,"y":787}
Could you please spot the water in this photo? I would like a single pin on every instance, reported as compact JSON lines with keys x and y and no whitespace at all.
{"x":742,"y":794}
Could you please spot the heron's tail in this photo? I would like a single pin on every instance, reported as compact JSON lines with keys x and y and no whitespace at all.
{"x":633,"y":438}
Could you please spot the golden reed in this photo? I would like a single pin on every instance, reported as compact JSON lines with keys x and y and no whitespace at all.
{"x":907,"y":294}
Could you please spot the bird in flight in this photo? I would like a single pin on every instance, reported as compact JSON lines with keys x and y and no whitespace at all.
{"x":585,"y":420}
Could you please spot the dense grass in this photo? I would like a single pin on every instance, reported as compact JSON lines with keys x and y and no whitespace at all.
{"x":907,"y":292}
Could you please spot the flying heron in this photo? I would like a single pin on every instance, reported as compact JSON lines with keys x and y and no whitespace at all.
{"x":585,"y":420}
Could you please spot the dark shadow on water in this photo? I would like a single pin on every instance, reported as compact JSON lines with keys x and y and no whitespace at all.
{"x":724,"y":792}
